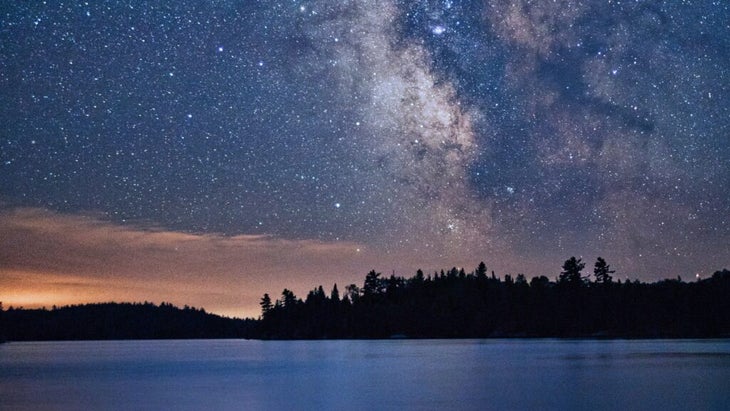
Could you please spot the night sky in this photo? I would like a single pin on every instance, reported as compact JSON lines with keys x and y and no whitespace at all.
{"x":206,"y":152}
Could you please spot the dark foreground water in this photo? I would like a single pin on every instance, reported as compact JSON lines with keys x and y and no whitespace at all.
{"x":398,"y":374}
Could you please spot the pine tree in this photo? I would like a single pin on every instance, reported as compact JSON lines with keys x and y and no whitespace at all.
{"x":481,"y":271}
{"x":265,"y":304}
{"x":602,"y":272}
{"x":571,"y":274}
{"x":288,"y":299}
{"x":373,"y":284}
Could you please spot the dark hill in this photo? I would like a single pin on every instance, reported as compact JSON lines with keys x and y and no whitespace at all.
{"x":119,"y":321}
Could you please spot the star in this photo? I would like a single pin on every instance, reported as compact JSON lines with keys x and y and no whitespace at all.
{"x":523,"y":130}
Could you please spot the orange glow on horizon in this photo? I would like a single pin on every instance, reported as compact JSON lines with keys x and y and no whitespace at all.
{"x":49,"y":258}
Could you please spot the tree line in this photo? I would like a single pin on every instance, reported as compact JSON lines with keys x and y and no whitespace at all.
{"x":447,"y":304}
{"x":457,"y":304}
{"x":119,"y":321}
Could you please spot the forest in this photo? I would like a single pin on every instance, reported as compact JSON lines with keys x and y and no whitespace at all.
{"x":457,"y":304}
{"x":446,"y":304}
{"x":118,"y":321}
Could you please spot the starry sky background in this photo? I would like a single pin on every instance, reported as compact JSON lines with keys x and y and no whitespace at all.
{"x":206,"y":152}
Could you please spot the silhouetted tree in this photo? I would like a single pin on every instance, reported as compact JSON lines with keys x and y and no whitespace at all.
{"x":373,"y":285}
{"x":481,"y":271}
{"x":316,"y":296}
{"x":602,"y":272}
{"x":265,"y":304}
{"x":288,"y":299}
{"x":571,"y":274}
{"x":453,"y":273}
{"x":419,"y":278}
{"x":335,"y":294}
{"x":353,"y":292}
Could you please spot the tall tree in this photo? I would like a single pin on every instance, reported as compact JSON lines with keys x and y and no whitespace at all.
{"x":288,"y":299}
{"x":265,"y":304}
{"x":373,"y":284}
{"x":419,"y":278}
{"x":602,"y":272}
{"x":335,"y":294}
{"x":571,"y":274}
{"x":481,"y":271}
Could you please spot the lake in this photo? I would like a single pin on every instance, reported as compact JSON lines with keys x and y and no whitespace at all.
{"x":386,"y":374}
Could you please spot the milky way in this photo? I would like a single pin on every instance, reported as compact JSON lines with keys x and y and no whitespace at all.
{"x":416,"y":140}
{"x":516,"y":132}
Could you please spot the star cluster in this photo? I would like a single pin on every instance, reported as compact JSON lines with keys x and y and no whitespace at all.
{"x":461,"y":130}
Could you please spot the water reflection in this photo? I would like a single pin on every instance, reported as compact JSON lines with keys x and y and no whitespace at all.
{"x":402,"y":374}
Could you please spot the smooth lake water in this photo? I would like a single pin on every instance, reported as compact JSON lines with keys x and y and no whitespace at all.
{"x":373,"y":375}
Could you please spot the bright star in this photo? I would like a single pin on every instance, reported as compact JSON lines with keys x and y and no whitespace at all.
{"x":438,"y":30}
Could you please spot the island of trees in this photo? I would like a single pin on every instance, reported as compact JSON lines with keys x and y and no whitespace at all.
{"x":447,"y":304}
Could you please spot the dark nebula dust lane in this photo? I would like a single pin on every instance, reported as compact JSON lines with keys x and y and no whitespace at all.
{"x":431,"y":133}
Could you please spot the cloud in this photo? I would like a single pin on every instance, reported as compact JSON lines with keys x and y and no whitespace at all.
{"x":48,"y":258}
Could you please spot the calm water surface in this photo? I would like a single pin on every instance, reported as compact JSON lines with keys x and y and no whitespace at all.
{"x":398,"y":374}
